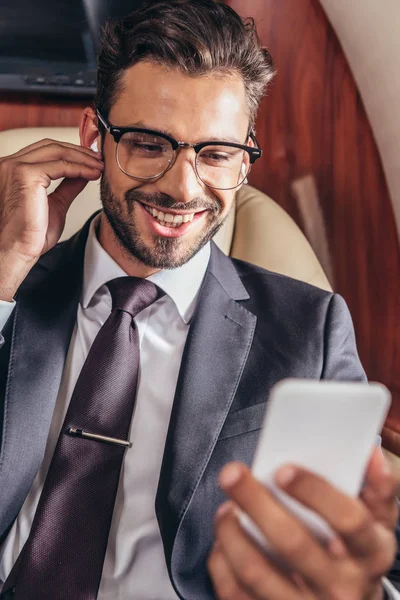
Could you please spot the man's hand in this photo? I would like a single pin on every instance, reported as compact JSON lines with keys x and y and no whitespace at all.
{"x":350,"y":568}
{"x":30,"y":222}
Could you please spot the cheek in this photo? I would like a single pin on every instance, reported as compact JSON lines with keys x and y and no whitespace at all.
{"x":112,"y":171}
{"x":118,"y":182}
{"x":226,"y":198}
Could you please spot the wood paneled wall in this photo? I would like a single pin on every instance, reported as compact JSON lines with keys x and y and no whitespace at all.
{"x":320,"y":163}
{"x":33,"y":110}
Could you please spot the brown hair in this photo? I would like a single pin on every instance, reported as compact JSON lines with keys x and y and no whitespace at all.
{"x":196,"y":36}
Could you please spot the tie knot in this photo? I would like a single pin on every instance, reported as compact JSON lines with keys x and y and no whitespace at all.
{"x":132,"y":294}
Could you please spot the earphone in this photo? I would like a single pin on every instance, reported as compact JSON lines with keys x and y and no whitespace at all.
{"x":244,"y":173}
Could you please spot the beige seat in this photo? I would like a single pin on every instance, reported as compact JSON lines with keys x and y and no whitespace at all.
{"x":257,"y":231}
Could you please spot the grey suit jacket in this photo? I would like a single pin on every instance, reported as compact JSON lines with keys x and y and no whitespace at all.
{"x":251,"y":329}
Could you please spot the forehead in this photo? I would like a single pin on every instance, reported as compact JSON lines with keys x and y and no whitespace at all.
{"x":191,"y":108}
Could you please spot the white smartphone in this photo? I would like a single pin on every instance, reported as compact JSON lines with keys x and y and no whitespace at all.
{"x":327,"y":427}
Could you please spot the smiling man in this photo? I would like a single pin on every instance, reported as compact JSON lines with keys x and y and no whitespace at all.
{"x":136,"y":359}
{"x":164,"y":221}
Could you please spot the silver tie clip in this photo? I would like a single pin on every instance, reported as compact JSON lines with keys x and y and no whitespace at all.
{"x":98,"y":438}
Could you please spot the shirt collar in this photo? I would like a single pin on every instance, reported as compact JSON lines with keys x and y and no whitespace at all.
{"x":182,"y":284}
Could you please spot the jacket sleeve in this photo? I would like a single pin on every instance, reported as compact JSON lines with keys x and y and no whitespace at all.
{"x":341,"y":360}
{"x":6,"y":310}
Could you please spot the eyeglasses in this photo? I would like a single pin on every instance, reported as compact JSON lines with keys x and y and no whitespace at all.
{"x":145,"y":154}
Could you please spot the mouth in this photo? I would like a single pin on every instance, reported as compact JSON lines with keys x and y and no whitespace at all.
{"x":170,"y":219}
{"x":171,"y":224}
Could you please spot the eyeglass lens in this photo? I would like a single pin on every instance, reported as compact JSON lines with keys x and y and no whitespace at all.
{"x":146,"y":156}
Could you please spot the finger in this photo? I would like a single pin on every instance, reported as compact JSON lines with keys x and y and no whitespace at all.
{"x":66,"y":192}
{"x":347,"y":516}
{"x":251,"y":568}
{"x":380,"y":475}
{"x":51,"y":152}
{"x":44,"y":173}
{"x":224,"y":583}
{"x":46,"y":142}
{"x":391,"y":442}
{"x":380,"y":490}
{"x":386,"y":513}
{"x":286,"y":534}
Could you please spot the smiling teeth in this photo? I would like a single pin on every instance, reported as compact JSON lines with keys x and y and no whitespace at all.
{"x":167,"y":219}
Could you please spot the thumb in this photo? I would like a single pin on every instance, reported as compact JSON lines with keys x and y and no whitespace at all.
{"x":59,"y":202}
{"x":66,"y":193}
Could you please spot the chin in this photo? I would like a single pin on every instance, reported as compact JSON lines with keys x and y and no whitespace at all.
{"x":158,"y":253}
{"x":153,"y":251}
{"x":161,"y":253}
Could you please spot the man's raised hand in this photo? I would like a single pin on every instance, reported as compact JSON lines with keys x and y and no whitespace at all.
{"x":30,"y":221}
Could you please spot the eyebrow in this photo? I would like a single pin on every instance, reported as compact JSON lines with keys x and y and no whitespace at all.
{"x":143,"y":125}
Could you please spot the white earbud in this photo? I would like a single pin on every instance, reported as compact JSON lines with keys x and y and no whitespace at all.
{"x":244,"y":173}
{"x":95,"y":146}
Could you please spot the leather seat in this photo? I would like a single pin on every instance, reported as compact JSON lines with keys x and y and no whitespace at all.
{"x":258,"y":230}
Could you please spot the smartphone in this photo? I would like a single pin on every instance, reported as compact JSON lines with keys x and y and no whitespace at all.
{"x":328,"y":427}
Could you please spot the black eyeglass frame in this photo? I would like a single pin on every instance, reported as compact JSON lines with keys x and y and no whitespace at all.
{"x":117,"y":132}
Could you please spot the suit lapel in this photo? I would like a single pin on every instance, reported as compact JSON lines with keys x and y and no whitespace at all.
{"x":216,"y":350}
{"x":42,"y":327}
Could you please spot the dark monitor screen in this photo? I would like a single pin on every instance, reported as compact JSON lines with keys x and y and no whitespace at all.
{"x":50,"y":45}
{"x":43,"y":31}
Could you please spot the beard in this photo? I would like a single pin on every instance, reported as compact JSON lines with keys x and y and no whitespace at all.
{"x":162,"y":252}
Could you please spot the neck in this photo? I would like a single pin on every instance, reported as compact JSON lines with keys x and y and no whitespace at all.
{"x":132,"y":266}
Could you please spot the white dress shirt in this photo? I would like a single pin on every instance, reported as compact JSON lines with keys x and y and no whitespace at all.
{"x":134,"y":566}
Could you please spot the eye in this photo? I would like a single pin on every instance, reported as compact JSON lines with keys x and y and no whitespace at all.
{"x":145,"y":145}
{"x":220,"y":155}
{"x":148,"y":147}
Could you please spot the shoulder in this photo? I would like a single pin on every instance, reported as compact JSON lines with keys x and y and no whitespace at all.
{"x":291,"y":304}
{"x":268,"y":286}
{"x":294,"y":310}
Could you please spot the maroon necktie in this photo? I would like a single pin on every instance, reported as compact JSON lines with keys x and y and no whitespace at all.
{"x":64,"y":554}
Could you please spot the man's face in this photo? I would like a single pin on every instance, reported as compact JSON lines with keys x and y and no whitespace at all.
{"x":190,"y":110}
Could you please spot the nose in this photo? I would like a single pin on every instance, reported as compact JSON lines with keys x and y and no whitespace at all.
{"x":180,"y":181}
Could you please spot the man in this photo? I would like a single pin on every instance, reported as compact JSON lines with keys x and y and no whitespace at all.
{"x":95,"y":504}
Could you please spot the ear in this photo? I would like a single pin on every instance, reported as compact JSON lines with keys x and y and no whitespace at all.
{"x":88,"y":131}
{"x":250,"y":141}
